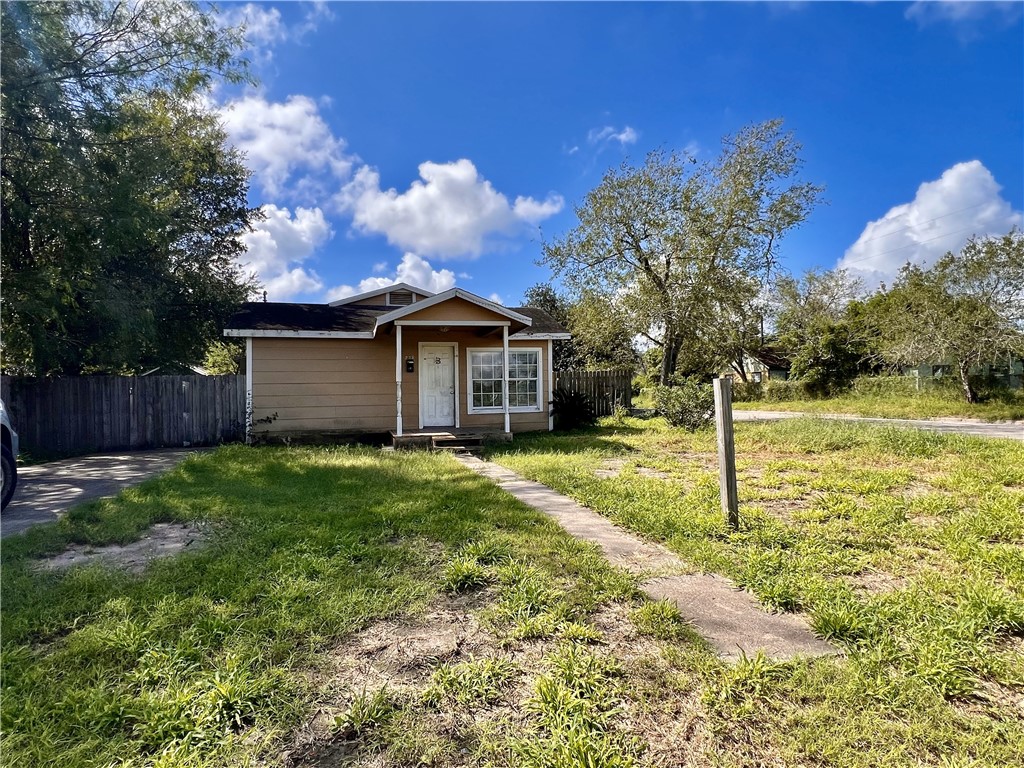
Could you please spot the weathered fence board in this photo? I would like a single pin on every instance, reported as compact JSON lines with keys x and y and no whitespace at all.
{"x":606,"y":389}
{"x":108,"y":413}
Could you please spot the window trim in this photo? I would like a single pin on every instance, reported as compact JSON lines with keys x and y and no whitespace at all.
{"x":539,"y":408}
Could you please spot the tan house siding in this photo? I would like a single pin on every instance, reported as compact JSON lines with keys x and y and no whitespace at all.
{"x":348,"y":385}
{"x":381,"y":300}
{"x":453,"y":311}
{"x":329,"y":385}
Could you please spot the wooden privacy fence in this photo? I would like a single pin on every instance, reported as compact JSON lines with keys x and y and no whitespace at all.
{"x":108,"y":413}
{"x":606,"y":389}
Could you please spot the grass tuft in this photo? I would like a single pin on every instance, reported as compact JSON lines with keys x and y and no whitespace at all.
{"x":660,"y":619}
{"x":463,"y":574}
{"x":368,"y":710}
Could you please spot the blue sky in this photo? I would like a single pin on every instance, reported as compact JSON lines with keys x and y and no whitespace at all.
{"x":442,"y":143}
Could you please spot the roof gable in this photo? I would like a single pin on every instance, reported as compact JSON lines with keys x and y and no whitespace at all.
{"x":453,"y":293}
{"x":381,"y":292}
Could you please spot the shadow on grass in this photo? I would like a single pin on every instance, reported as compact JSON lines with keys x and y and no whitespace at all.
{"x":264,"y":507}
{"x":594,"y":439}
{"x":306,"y":546}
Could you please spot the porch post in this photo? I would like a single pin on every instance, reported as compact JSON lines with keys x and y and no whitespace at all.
{"x":248,"y":389}
{"x":551,"y":384}
{"x":504,"y":374}
{"x":398,"y":378}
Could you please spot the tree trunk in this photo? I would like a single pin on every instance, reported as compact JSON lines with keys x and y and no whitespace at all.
{"x":740,"y":368}
{"x":965,"y":383}
{"x":670,"y":356}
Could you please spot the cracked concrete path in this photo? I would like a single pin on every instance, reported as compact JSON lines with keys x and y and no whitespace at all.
{"x":46,"y":491}
{"x":731,"y":620}
{"x":1010,"y":430}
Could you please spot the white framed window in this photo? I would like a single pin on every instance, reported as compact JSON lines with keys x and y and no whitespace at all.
{"x":484,"y":373}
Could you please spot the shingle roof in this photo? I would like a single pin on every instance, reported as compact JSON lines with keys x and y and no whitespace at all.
{"x":542,"y":322}
{"x":280,"y":316}
{"x":274,"y":316}
{"x":770,"y":357}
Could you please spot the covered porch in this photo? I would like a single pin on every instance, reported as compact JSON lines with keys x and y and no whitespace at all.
{"x":449,"y":439}
{"x":435,"y":342}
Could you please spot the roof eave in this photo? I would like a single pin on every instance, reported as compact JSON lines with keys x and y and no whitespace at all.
{"x":453,"y":293}
{"x":280,"y":333}
{"x":380,"y":292}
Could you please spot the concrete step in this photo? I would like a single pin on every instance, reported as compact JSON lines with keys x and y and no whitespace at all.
{"x":457,"y":443}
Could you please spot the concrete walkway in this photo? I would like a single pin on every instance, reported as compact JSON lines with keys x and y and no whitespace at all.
{"x":1011,"y":430}
{"x":731,"y":620}
{"x":46,"y":491}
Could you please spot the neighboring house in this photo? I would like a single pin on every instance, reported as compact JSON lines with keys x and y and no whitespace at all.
{"x":399,"y":359}
{"x":176,"y":369}
{"x":1009,"y":374}
{"x":761,"y":365}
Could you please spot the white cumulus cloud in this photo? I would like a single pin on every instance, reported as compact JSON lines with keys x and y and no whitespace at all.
{"x":413,"y":269}
{"x":279,"y":244}
{"x":288,"y":145}
{"x":959,"y":11}
{"x":607,"y":134}
{"x":264,"y":28}
{"x":943,"y":215}
{"x":451,"y":211}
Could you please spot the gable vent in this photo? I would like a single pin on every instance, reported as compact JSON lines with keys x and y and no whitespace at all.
{"x":400,"y":298}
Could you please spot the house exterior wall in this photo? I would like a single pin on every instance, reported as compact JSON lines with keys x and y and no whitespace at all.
{"x":380,"y":301}
{"x":348,"y":385}
{"x":455,"y":310}
{"x":754,"y":366}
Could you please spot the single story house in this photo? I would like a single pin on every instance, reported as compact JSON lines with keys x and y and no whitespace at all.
{"x":1007,"y":373}
{"x":761,"y":365}
{"x":398,"y":359}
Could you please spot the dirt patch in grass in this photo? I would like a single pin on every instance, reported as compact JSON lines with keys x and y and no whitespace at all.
{"x":160,"y":540}
{"x":874,"y":582}
{"x":612,"y":468}
{"x":704,"y":460}
{"x":401,"y":657}
{"x":783,"y":508}
{"x":395,"y":655}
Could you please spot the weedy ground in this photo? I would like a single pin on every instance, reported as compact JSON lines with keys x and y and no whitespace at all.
{"x":352,"y":607}
{"x":1008,"y":405}
{"x":347,"y":606}
{"x":906,"y":548}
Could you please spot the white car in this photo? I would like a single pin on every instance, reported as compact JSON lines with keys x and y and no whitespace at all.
{"x":9,"y":440}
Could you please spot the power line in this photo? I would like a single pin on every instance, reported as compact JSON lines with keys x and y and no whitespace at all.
{"x":929,"y":221}
{"x":910,"y":245}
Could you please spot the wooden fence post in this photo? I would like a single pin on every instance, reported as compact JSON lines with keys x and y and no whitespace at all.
{"x":726,"y":452}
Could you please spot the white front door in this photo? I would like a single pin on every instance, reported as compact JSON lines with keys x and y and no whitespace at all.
{"x":437,"y":386}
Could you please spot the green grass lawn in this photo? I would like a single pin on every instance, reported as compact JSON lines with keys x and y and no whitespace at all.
{"x":352,"y":607}
{"x":923,"y":405}
{"x":905,"y":548}
{"x":214,"y":657}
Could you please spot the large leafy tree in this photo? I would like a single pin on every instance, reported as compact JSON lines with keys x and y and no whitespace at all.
{"x":965,"y":310}
{"x":122,"y":204}
{"x":599,"y":338}
{"x":680,"y":247}
{"x":817,"y":324}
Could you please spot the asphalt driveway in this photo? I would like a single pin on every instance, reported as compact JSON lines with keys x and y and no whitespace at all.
{"x":45,"y":491}
{"x":1012,"y":430}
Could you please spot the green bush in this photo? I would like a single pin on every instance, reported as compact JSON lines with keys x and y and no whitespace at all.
{"x":572,"y":410}
{"x":689,"y":404}
{"x":747,"y":391}
{"x":784,"y":391}
{"x":885,"y":385}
